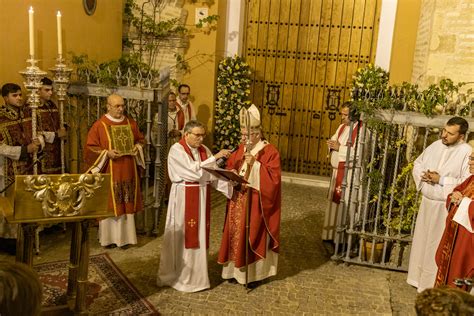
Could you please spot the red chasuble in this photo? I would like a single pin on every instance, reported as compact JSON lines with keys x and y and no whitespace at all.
{"x":336,"y":198}
{"x":15,"y":130}
{"x":455,"y":255}
{"x":265,"y":211}
{"x":125,"y":190}
{"x":191,"y":205}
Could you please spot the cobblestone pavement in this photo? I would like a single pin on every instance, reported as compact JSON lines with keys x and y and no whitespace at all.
{"x":307,"y":283}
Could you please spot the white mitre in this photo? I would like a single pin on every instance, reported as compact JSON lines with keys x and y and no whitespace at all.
{"x":251,"y":114}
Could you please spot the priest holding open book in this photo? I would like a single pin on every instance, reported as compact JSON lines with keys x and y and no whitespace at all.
{"x":183,"y":260}
{"x":258,"y":162}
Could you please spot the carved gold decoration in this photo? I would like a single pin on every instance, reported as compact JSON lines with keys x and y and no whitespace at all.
{"x":64,"y":197}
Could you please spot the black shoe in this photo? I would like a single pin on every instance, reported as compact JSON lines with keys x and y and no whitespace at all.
{"x":232,"y":281}
{"x":329,"y":246}
{"x":111,"y":246}
{"x":254,"y":285}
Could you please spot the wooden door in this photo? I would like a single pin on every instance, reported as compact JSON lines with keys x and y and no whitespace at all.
{"x":303,"y":54}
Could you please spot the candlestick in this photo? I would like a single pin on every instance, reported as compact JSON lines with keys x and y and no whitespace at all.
{"x":60,"y":40}
{"x":62,"y":75}
{"x":32,"y":32}
{"x":32,"y":83}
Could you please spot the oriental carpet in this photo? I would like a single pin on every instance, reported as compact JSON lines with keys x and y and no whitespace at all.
{"x":109,"y":291}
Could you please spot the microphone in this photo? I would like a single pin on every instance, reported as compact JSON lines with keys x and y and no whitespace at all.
{"x":221,"y":161}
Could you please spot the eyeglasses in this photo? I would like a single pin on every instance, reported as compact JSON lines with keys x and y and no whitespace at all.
{"x":198,"y":135}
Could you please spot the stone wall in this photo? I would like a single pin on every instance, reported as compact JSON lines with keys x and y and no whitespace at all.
{"x":165,"y":57}
{"x":445,"y":42}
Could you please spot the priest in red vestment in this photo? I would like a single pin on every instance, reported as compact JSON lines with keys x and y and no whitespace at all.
{"x":258,"y":162}
{"x":104,"y":152}
{"x":455,"y":255}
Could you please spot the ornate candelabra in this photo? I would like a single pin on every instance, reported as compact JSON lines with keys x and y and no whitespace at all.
{"x":61,"y":76}
{"x":33,"y":75}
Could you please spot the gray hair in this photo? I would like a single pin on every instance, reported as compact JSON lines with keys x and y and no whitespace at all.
{"x":192,"y":124}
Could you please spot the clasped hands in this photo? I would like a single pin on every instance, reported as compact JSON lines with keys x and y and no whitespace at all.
{"x":333,"y":144}
{"x":174,"y":133}
{"x":430,"y":177}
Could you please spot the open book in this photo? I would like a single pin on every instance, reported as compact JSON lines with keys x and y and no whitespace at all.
{"x":225,"y":174}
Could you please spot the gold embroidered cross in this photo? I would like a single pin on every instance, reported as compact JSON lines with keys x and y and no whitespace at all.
{"x":192,"y":222}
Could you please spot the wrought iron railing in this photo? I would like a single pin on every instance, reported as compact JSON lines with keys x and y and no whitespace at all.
{"x":381,"y":202}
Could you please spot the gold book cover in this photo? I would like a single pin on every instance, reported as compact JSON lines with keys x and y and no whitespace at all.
{"x":122,"y":139}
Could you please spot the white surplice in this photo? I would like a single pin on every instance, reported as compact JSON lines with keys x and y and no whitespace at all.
{"x":13,"y":153}
{"x":451,"y":162}
{"x":333,"y":213}
{"x":186,"y":269}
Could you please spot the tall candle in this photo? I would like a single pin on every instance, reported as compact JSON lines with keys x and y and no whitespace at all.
{"x":60,"y":39}
{"x":31,"y":31}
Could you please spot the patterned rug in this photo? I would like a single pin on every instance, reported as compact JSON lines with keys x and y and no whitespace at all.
{"x":109,"y":293}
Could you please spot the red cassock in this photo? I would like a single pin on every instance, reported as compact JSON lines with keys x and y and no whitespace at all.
{"x":126,"y":195}
{"x":265,"y":211}
{"x":455,"y":255}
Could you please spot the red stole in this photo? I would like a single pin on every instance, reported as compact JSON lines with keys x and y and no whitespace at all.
{"x":181,"y":108}
{"x":191,"y":206}
{"x":180,"y":117}
{"x":336,"y":197}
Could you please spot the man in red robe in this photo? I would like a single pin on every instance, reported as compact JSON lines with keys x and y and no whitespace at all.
{"x":101,"y":154}
{"x":49,"y":126}
{"x":455,"y":255}
{"x":259,"y":163}
{"x":16,"y":152}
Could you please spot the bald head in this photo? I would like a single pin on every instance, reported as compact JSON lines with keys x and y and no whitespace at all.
{"x":115,"y":106}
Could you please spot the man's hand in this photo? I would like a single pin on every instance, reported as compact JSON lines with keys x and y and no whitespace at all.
{"x":249,"y":159}
{"x":112,"y":154}
{"x":333,"y":145}
{"x":136,"y":149}
{"x":434,"y":177}
{"x":456,"y":197}
{"x":33,"y":147}
{"x":174,"y":133}
{"x":62,"y":133}
{"x":431,"y":177}
{"x":223,"y":153}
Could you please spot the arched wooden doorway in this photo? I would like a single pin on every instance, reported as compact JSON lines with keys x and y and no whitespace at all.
{"x":304,"y":53}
